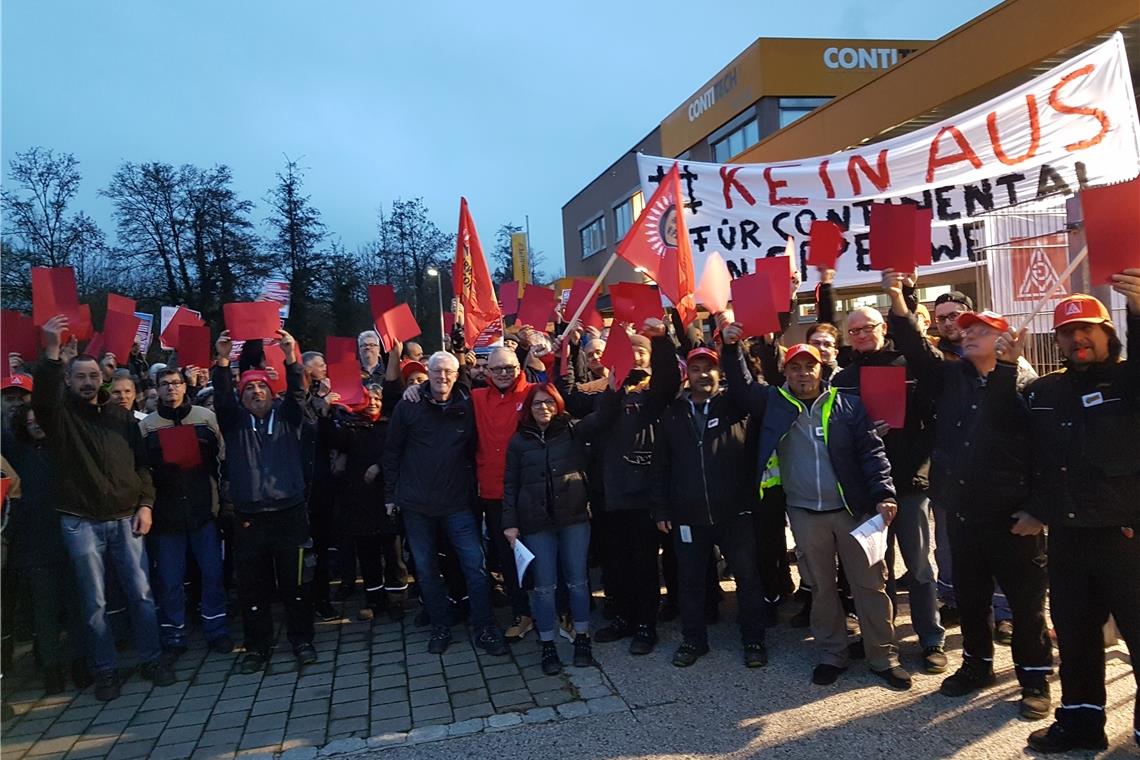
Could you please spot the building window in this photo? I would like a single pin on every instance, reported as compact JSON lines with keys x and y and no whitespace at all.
{"x":626,"y":214}
{"x":793,"y":108}
{"x":593,"y":237}
{"x":736,"y":142}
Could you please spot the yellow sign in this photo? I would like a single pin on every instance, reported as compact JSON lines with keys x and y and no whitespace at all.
{"x":520,"y":257}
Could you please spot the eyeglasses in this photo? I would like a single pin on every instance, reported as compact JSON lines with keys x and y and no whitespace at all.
{"x":951,"y":317}
{"x":170,"y":384}
{"x":443,"y":372}
{"x":864,"y":330}
{"x":823,"y":343}
{"x":544,"y":403}
{"x":370,"y":345}
{"x":504,"y":369}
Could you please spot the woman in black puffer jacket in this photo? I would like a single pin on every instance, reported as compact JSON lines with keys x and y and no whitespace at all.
{"x":545,"y":499}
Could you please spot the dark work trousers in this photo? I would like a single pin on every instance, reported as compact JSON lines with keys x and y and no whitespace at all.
{"x":983,"y":552}
{"x":631,"y":545}
{"x":382,"y":565}
{"x":267,"y":546}
{"x":771,"y":541}
{"x":323,"y":522}
{"x":492,"y":512}
{"x":1093,"y":573}
{"x":736,"y":538}
{"x":669,"y":566}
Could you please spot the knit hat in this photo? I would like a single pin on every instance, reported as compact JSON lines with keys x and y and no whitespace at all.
{"x":252,"y":376}
{"x":640,"y":341}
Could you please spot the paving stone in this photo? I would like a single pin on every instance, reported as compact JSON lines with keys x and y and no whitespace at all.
{"x":425,"y":669}
{"x":160,"y":700}
{"x":463,"y":669}
{"x":133,"y":750}
{"x":388,"y":658}
{"x":457,"y":655}
{"x":275,"y":692}
{"x":465,"y":727}
{"x":230,"y":705}
{"x":386,"y":739}
{"x":180,"y":735}
{"x":426,"y":734}
{"x":540,"y":715}
{"x":314,"y":679}
{"x":391,"y":669}
{"x":391,"y":725}
{"x":503,"y":721}
{"x":545,"y":683}
{"x":349,"y":710}
{"x":341,"y":746}
{"x":55,"y":746}
{"x":426,"y":682}
{"x":463,"y":683}
{"x":213,"y":753}
{"x":222,"y":737}
{"x":391,"y":710}
{"x":573,"y":710}
{"x":66,"y":728}
{"x":466,"y":698}
{"x":240,"y":690}
{"x":313,"y":707}
{"x":594,"y":691}
{"x":478,"y":710}
{"x":351,"y":681}
{"x":261,"y":739}
{"x":270,"y":706}
{"x":279,"y":680}
{"x":139,"y":733}
{"x":152,"y":716}
{"x":355,"y":694}
{"x":227,"y":720}
{"x":500,"y":671}
{"x":349,"y":726}
{"x":214,"y":678}
{"x":315,"y":739}
{"x":198,"y":703}
{"x":431,"y":712}
{"x":97,"y":747}
{"x":312,"y":692}
{"x":271,"y":722}
{"x":387,"y":682}
{"x":188,"y":718}
{"x":508,"y":683}
{"x":428,"y":697}
{"x":605,"y":705}
{"x":551,"y":698}
{"x":389,"y":695}
{"x":300,"y":753}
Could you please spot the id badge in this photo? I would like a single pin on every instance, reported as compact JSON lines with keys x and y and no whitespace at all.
{"x":1092,"y":399}
{"x":686,"y":534}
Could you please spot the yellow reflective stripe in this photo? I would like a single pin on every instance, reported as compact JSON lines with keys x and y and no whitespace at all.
{"x":300,"y":566}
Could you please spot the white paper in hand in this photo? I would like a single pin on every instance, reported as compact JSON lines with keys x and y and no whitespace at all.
{"x":523,"y":558}
{"x":872,"y":536}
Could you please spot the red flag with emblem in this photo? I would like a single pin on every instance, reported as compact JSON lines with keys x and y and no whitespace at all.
{"x":472,"y":279}
{"x":658,"y":242}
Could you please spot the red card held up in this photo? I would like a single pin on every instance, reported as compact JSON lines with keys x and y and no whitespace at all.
{"x":893,"y":236}
{"x":537,"y":307}
{"x":182,"y":316}
{"x":251,"y":320}
{"x":590,"y":316}
{"x":883,"y":390}
{"x":448,"y":322}
{"x":179,"y":444}
{"x":344,"y":370}
{"x":618,"y":355}
{"x":1112,"y":229}
{"x":95,"y":347}
{"x":116,"y":302}
{"x":778,"y":273}
{"x":634,"y":303}
{"x":194,"y":348}
{"x":275,"y":360}
{"x":18,"y":335}
{"x":753,"y":306}
{"x":119,"y":330}
{"x":53,"y":292}
{"x":825,"y":244}
{"x":509,"y":297}
{"x":380,"y":299}
{"x":400,"y":324}
{"x":923,"y":222}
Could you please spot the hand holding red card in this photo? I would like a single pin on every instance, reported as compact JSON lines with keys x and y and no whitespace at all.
{"x":116,"y":302}
{"x":825,"y":244}
{"x":778,"y":271}
{"x":119,"y":330}
{"x":182,"y":316}
{"x":537,"y":307}
{"x":635,"y":303}
{"x":252,"y":319}
{"x":618,"y":355}
{"x":179,"y":444}
{"x":509,"y":297}
{"x":590,"y":316}
{"x":752,"y":305}
{"x":194,"y":346}
{"x":900,"y":236}
{"x":275,"y":366}
{"x":715,"y":288}
{"x":883,"y":390}
{"x":380,"y":299}
{"x":400,"y":324}
{"x":1112,"y":229}
{"x":344,"y":370}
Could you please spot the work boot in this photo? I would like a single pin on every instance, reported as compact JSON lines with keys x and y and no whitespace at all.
{"x":583,"y":651}
{"x":972,"y":676}
{"x":518,"y":630}
{"x":615,"y":631}
{"x":688,"y":653}
{"x":644,"y":639}
{"x":551,"y":664}
{"x":1036,"y":702}
{"x":1057,"y":738}
{"x":106,"y":686}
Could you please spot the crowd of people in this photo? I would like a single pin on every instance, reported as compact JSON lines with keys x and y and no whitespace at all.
{"x":133,"y":483}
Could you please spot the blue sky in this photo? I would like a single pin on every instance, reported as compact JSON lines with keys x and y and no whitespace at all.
{"x":516,"y":105}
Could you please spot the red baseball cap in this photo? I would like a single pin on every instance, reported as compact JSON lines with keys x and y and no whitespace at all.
{"x":802,"y":348}
{"x":704,"y":351}
{"x":1081,"y":308}
{"x":252,"y":376}
{"x":23,"y":382}
{"x":988,"y":318}
{"x":409,"y":367}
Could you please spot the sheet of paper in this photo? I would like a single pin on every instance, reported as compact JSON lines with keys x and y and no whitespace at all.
{"x":523,"y":558}
{"x":872,"y":537}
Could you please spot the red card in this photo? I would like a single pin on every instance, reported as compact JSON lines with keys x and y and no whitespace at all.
{"x":590,"y":316}
{"x":251,"y":320}
{"x":777,"y":270}
{"x":825,"y":244}
{"x":509,"y":297}
{"x":53,"y":292}
{"x":275,"y":358}
{"x":537,"y":307}
{"x":400,"y":324}
{"x":635,"y":303}
{"x":182,"y":316}
{"x":923,"y":221}
{"x":752,"y":305}
{"x":715,"y":287}
{"x":883,"y":390}
{"x":618,"y":355}
{"x":179,"y":444}
{"x":1112,"y":229}
{"x":344,"y":370}
{"x":5,"y":486}
{"x":18,"y":335}
{"x":95,"y":347}
{"x":448,"y":322}
{"x":119,"y":330}
{"x":116,"y":302}
{"x":893,"y":236}
{"x":380,"y":299}
{"x":194,"y":349}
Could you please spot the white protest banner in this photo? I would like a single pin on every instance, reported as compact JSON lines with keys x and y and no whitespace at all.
{"x":276,"y":290}
{"x":1071,"y":127}
{"x":145,"y":332}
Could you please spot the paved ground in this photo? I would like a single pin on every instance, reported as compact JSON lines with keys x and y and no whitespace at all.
{"x":376,"y":691}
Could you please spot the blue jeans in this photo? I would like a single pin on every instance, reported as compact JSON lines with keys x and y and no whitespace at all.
{"x":566,"y":547}
{"x":168,"y":550}
{"x":465,"y":538}
{"x":91,"y":544}
{"x":911,"y":527}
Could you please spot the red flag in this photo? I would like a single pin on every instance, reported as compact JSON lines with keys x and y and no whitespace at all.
{"x":472,"y":280}
{"x":658,"y":242}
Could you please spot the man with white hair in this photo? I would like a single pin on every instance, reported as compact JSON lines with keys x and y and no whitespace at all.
{"x":429,"y":474}
{"x":368,"y":348}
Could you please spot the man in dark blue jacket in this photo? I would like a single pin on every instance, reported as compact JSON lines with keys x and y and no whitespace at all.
{"x":821,"y":447}
{"x":267,"y":487}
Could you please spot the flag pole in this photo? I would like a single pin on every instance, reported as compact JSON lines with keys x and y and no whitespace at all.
{"x":589,"y":294}
{"x":1084,"y":254}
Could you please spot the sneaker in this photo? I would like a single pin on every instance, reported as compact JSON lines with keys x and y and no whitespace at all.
{"x":306,"y":654}
{"x":972,"y":676}
{"x":668,"y":612}
{"x":1057,"y":739}
{"x":1003,"y":633}
{"x":825,"y":675}
{"x":802,"y":619}
{"x":365,"y":613}
{"x":253,"y":662}
{"x":440,"y":640}
{"x":159,"y":673}
{"x":222,"y":645}
{"x":897,"y":677}
{"x":1036,"y":702}
{"x":491,"y":641}
{"x":643,"y":640}
{"x":755,"y":655}
{"x":106,"y":686}
{"x":551,"y":665}
{"x":520,"y":628}
{"x":54,"y":680}
{"x":934,"y":660}
{"x":326,"y":612}
{"x":688,"y":653}
{"x":615,"y":631}
{"x":583,"y":651}
{"x":949,"y":615}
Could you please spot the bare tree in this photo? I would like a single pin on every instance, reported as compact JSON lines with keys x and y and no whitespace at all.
{"x":409,"y":244}
{"x":297,"y":235}
{"x":502,"y":259}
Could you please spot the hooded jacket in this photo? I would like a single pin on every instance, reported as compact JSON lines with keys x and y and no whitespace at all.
{"x":184,"y":499}
{"x":496,"y":420}
{"x":98,"y":446}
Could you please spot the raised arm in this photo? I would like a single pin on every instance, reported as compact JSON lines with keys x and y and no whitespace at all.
{"x":665,"y":378}
{"x":921,"y":356}
{"x":742,"y":391}
{"x":226,"y":405}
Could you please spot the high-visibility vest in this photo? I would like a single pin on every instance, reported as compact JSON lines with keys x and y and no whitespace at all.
{"x":771,"y":476}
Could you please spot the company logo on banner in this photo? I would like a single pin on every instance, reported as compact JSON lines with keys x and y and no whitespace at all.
{"x":1072,"y":127}
{"x":276,"y":290}
{"x":1036,"y":265}
{"x":520,"y":257}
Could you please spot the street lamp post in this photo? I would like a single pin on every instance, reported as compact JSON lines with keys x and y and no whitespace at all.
{"x":433,"y":272}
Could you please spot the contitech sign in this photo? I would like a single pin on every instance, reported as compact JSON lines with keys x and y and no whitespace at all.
{"x":861,"y":58}
{"x":708,"y":98}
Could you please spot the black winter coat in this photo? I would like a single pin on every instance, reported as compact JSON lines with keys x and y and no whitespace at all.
{"x":185,"y":500}
{"x":361,"y":505}
{"x":33,"y":535}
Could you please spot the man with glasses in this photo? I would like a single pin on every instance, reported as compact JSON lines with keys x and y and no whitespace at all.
{"x":429,"y":474}
{"x":947,"y":308}
{"x":368,"y":347}
{"x":186,"y":501}
{"x":908,"y":449}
